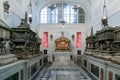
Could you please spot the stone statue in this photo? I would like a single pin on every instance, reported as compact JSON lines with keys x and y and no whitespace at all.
{"x":8,"y":47}
{"x":6,"y":6}
{"x":22,"y":22}
{"x":3,"y":47}
{"x":104,"y":21}
{"x":26,"y":47}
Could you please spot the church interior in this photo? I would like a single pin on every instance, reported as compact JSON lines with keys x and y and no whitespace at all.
{"x":59,"y":40}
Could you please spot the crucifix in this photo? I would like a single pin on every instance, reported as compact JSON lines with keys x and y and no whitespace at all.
{"x":62,"y":34}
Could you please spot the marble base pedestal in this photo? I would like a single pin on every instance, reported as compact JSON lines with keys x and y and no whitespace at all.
{"x":62,"y":57}
{"x":64,"y":71}
{"x":7,"y":58}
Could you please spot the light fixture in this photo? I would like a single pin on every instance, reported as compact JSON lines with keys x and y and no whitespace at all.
{"x":52,"y":7}
{"x":73,"y":36}
{"x":51,"y":37}
{"x":104,"y":19}
{"x":75,"y":7}
{"x":62,"y":19}
{"x":30,"y":12}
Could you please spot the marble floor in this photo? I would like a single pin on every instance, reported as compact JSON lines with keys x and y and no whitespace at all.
{"x":63,"y":71}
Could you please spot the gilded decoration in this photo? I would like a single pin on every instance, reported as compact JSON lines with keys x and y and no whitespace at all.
{"x":62,"y":43}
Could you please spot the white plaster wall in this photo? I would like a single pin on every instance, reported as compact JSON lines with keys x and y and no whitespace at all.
{"x":16,"y":12}
{"x":69,"y":29}
{"x":113,"y":11}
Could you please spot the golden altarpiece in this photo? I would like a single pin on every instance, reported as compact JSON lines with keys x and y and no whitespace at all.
{"x":62,"y":44}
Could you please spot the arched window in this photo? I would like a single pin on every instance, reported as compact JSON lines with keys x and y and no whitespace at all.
{"x":53,"y":15}
{"x":81,"y":15}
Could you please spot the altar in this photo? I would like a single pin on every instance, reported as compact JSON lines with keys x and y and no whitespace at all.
{"x":62,"y":57}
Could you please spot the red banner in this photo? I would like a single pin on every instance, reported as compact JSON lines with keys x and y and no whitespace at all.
{"x":78,"y":40}
{"x":45,"y":39}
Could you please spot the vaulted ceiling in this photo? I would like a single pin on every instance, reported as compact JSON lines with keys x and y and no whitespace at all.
{"x":86,"y":4}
